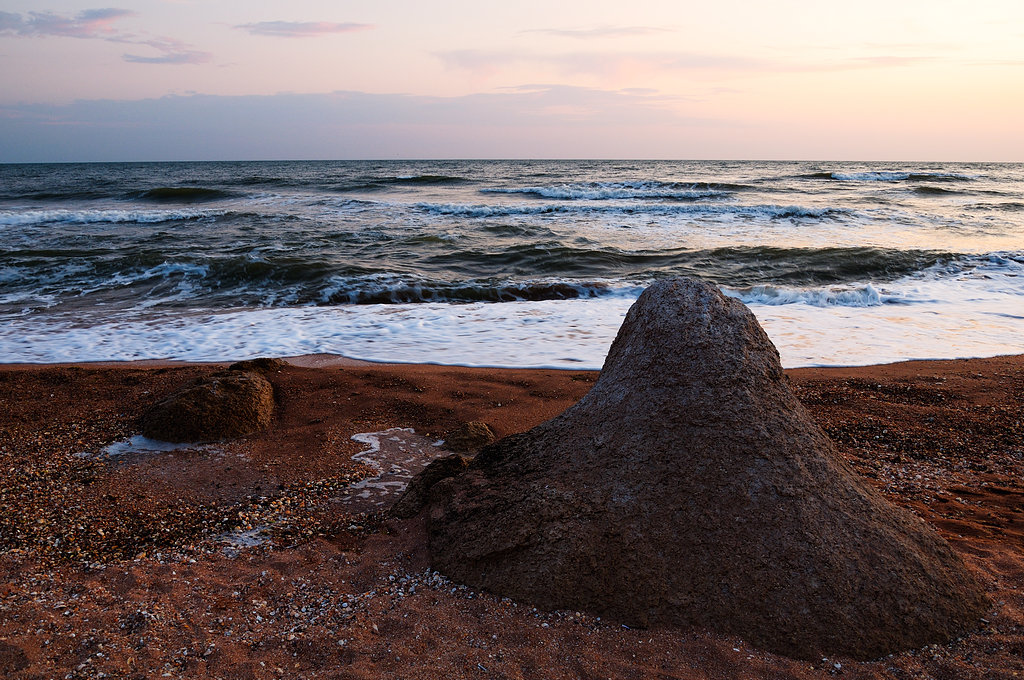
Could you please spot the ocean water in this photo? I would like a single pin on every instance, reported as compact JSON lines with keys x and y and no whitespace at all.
{"x":502,"y":263}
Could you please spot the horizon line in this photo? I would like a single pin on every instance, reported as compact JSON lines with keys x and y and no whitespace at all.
{"x":509,"y":160}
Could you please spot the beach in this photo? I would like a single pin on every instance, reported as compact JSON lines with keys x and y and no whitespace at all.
{"x":253,"y":558}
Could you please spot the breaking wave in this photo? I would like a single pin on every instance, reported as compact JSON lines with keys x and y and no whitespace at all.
{"x":599,"y":191}
{"x":113,"y":216}
{"x":753,"y":211}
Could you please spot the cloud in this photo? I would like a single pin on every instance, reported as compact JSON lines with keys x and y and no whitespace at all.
{"x":9,"y":23}
{"x":90,"y":23}
{"x":171,"y":52}
{"x":539,"y":120}
{"x":97,"y":24}
{"x":628,"y":64}
{"x":191,"y":57}
{"x":881,"y":61}
{"x":600,"y":32}
{"x":301,"y":29}
{"x":598,"y":63}
{"x":482,"y":61}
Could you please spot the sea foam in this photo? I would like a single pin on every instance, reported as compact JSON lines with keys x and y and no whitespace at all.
{"x":923,"y":318}
{"x":31,"y":217}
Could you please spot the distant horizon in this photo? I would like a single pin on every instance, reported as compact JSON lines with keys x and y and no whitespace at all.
{"x":514,"y":160}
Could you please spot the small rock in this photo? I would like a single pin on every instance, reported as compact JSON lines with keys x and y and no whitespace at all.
{"x":469,"y":437}
{"x":224,"y":405}
{"x":262,"y":365}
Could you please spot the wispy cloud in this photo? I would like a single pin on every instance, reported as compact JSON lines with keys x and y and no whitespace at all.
{"x":301,"y":29}
{"x":881,"y":61}
{"x":612,"y":64}
{"x":98,"y":24}
{"x":600,"y":32}
{"x":597,"y":63}
{"x":170,"y":51}
{"x":91,"y":23}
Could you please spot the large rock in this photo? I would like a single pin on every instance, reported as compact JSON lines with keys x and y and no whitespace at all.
{"x":225,"y":405}
{"x":689,"y":486}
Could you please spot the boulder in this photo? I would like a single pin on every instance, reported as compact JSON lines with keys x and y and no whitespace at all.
{"x":690,"y":487}
{"x":262,"y":365}
{"x":225,"y":405}
{"x":469,"y":437}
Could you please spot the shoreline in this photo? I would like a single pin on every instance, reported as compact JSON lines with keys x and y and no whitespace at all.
{"x":329,"y":360}
{"x":302,"y":360}
{"x":943,"y":438}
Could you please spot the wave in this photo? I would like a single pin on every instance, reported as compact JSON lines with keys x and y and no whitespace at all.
{"x":866,"y":296}
{"x":596,"y":191}
{"x":889,"y":176}
{"x":381,"y":183}
{"x":752,"y":211}
{"x":263,"y":180}
{"x":39,"y":217}
{"x":847,"y":277}
{"x":898,"y":176}
{"x":57,"y":196}
{"x":388,"y":291}
{"x":555,"y":271}
{"x":917,"y":285}
{"x":182,"y":195}
{"x":1008,"y":206}
{"x":928,"y":190}
{"x":425,"y":179}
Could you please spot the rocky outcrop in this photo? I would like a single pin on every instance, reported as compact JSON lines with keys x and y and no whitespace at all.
{"x":225,"y":405}
{"x":689,"y":486}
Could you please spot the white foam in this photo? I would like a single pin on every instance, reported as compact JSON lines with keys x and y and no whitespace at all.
{"x":866,"y":296}
{"x":31,"y":217}
{"x":918,"y":318}
{"x":396,"y":455}
{"x":239,"y":539}
{"x":140,"y":444}
{"x":871,"y":176}
{"x":771,"y":212}
{"x":610,"y":191}
{"x":898,"y":176}
{"x":954,"y":309}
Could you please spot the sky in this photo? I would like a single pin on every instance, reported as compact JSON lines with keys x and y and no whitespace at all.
{"x":333,"y":79}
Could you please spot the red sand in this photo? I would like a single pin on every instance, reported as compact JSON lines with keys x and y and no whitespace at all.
{"x":155,"y":595}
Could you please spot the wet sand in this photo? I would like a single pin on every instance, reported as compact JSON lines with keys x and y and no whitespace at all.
{"x":264,"y":558}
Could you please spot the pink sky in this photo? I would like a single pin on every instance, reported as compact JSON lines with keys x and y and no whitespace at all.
{"x":169,"y":79}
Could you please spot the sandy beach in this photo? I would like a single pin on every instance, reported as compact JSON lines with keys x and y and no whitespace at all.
{"x":258,"y":558}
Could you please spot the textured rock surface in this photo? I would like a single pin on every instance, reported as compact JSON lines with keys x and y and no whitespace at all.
{"x":690,"y":487}
{"x":225,"y":405}
{"x":262,"y":365}
{"x":471,"y":436}
{"x":417,"y":493}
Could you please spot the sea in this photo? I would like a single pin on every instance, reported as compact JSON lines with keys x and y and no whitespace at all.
{"x":502,"y":263}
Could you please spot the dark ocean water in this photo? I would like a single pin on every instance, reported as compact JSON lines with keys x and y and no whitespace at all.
{"x":502,"y":262}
